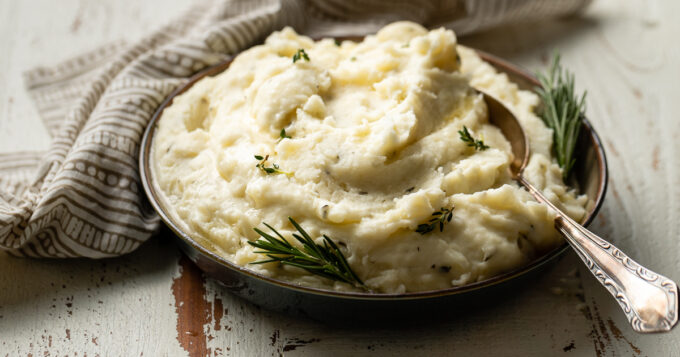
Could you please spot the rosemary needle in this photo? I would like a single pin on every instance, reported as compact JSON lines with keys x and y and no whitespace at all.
{"x":562,"y":112}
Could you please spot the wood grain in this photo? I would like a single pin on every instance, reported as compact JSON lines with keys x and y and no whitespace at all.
{"x":154,"y":303}
{"x":193,"y":311}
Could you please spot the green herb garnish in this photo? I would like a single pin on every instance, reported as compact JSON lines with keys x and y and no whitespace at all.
{"x":438,"y":219}
{"x":562,"y":112}
{"x":337,"y":42}
{"x":325,"y":259}
{"x":262,"y":165}
{"x":300,"y":54}
{"x":465,"y":136}
{"x":282,"y":135}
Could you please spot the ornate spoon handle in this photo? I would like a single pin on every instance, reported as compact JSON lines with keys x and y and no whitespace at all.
{"x":649,"y":300}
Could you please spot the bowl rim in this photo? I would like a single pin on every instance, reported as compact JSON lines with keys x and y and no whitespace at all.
{"x":500,"y":64}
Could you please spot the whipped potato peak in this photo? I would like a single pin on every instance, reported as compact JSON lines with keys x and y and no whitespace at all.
{"x":367,"y":136}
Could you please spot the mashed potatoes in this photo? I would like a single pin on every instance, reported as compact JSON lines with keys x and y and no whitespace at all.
{"x":371,"y":149}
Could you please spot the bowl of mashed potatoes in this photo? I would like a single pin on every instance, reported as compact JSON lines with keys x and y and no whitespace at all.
{"x":361,"y":141}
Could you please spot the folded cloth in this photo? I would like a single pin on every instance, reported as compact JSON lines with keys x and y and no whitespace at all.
{"x":83,"y":198}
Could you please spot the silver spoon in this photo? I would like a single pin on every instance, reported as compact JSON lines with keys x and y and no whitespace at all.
{"x":649,"y":300}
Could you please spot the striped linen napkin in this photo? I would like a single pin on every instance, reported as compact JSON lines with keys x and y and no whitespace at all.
{"x":83,"y":197}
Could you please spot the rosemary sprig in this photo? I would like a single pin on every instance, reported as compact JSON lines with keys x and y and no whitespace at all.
{"x":466,"y":137}
{"x":438,"y":219}
{"x":262,"y":165}
{"x":325,"y":259}
{"x":300,"y":54}
{"x":562,"y":112}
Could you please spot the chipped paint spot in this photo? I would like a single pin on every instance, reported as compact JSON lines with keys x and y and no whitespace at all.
{"x":616,"y":195}
{"x":602,"y":219}
{"x":612,"y":148}
{"x":78,"y":20}
{"x":597,"y":341}
{"x":274,"y":337}
{"x":655,"y":158}
{"x":619,"y":336}
{"x":637,"y":93}
{"x":600,"y":333}
{"x":292,"y":344}
{"x":192,"y":308}
{"x":602,"y":327}
{"x":218,"y":312}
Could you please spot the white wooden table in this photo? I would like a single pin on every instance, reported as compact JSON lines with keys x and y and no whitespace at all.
{"x":625,"y":53}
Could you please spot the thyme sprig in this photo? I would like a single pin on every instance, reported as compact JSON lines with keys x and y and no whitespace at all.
{"x":439,"y":218}
{"x":325,"y":259}
{"x":262,"y":165}
{"x":282,"y":135}
{"x":562,"y":112}
{"x":300,"y":54}
{"x":466,"y":137}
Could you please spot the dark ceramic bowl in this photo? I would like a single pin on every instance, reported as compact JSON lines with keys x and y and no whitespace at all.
{"x":589,"y":176}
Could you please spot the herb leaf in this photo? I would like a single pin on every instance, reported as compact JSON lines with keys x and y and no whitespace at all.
{"x":262,"y":165}
{"x":282,"y":135}
{"x":325,"y":259}
{"x":562,"y":112}
{"x":466,"y":137}
{"x":439,"y":218}
{"x":300,"y":54}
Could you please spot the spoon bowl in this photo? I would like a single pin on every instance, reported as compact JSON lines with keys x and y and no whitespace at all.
{"x":501,"y":117}
{"x":649,"y":300}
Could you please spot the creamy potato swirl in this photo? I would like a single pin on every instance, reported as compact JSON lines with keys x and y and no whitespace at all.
{"x":373,"y":151}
